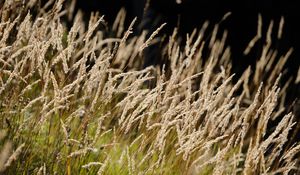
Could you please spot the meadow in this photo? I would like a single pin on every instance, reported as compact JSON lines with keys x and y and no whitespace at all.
{"x":77,"y":100}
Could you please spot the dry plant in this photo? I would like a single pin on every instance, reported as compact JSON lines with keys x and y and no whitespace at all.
{"x":74,"y":101}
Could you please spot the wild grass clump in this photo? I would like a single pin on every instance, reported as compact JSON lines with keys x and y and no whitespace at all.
{"x":76,"y":101}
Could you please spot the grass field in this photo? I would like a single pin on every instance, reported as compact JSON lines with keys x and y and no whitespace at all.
{"x":78,"y":101}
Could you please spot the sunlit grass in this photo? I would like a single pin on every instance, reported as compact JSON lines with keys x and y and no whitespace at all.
{"x":76,"y":101}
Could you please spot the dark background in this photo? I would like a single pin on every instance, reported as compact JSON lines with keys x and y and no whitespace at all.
{"x":241,"y":25}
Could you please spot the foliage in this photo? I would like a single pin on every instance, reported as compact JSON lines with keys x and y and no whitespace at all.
{"x":77,"y":101}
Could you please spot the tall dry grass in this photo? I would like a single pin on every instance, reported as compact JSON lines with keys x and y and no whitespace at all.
{"x":74,"y":101}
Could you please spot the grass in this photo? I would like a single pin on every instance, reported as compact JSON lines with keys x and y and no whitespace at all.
{"x":77,"y":101}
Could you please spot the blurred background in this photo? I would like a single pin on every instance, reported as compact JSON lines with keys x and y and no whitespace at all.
{"x":190,"y":14}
